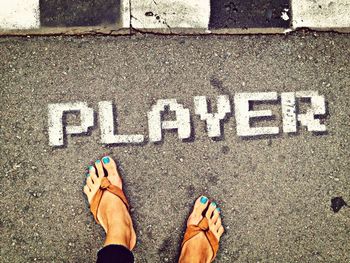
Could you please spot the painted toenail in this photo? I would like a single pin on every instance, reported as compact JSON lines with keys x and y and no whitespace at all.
{"x":204,"y":199}
{"x":213,"y":204}
{"x":87,"y":175}
{"x":91,"y":167}
{"x":105,"y":160}
{"x":218,"y":209}
{"x":98,"y":161}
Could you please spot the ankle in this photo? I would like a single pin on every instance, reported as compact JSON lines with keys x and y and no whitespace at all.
{"x":118,"y":232}
{"x":117,"y":240}
{"x":195,"y":252}
{"x":112,"y":218}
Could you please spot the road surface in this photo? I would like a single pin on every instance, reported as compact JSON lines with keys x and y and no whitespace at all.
{"x":275,"y":191}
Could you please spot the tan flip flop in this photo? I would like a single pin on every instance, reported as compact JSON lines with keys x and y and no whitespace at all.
{"x":203,"y":226}
{"x":106,"y":186}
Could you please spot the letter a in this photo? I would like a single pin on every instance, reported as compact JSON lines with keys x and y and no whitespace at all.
{"x":155,"y":123}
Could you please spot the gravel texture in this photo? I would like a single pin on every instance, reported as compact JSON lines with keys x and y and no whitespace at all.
{"x":275,"y":193}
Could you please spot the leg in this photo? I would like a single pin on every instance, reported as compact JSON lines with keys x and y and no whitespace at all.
{"x":112,"y":212}
{"x":198,"y":249}
{"x":115,"y":254}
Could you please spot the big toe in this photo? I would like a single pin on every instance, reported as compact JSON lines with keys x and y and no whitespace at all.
{"x":197,"y":214}
{"x":110,"y":166}
{"x":112,"y":173}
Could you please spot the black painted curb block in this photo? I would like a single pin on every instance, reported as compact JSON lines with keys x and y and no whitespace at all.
{"x":48,"y":17}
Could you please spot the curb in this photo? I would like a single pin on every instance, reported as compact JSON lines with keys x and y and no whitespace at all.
{"x":125,"y":17}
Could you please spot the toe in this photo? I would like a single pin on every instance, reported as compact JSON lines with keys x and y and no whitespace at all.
{"x":197,"y":214}
{"x":86,"y":190}
{"x":90,"y":183}
{"x":221,"y":231}
{"x":218,"y":223}
{"x":92,"y":172}
{"x":99,"y":168}
{"x":200,"y":205}
{"x":110,"y":166}
{"x":94,"y":176}
{"x":210,"y":210}
{"x":216,"y":214}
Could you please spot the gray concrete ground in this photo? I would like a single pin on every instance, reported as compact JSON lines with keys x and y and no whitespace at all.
{"x":275,"y":193}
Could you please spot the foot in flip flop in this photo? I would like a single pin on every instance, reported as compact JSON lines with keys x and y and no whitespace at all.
{"x":109,"y":204}
{"x":203,"y":233}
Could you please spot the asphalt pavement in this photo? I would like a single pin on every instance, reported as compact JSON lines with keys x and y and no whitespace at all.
{"x":275,"y":192}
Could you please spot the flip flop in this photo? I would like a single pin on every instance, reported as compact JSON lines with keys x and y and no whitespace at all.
{"x":203,"y":226}
{"x":106,"y":186}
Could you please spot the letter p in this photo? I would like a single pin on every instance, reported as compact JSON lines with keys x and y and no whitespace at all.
{"x":56,"y":127}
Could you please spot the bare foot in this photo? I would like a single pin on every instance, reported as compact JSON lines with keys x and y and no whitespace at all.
{"x":112,"y":212}
{"x":198,"y":249}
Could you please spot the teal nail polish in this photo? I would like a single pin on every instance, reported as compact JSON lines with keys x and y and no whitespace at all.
{"x":105,"y":160}
{"x":203,"y":199}
{"x":90,"y":167}
{"x":98,"y":161}
{"x":218,"y":209}
{"x":213,"y":204}
{"x":87,"y":175}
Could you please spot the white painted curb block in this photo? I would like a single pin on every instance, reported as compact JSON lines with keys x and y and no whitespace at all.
{"x":170,"y":14}
{"x":125,"y":13}
{"x":321,"y":14}
{"x":19,"y":14}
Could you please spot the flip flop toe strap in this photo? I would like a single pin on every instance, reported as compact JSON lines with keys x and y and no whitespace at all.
{"x":106,"y":186}
{"x":203,"y":226}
